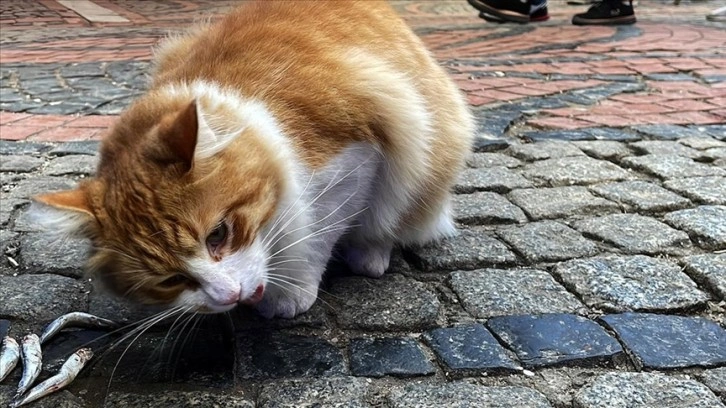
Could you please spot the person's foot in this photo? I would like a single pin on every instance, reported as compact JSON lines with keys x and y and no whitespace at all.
{"x":538,"y":16}
{"x":606,"y":13}
{"x":518,"y":11}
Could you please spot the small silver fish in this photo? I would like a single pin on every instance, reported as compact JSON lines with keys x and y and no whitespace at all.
{"x":65,"y":376}
{"x":75,"y":319}
{"x":9,"y":356}
{"x":32,"y":362}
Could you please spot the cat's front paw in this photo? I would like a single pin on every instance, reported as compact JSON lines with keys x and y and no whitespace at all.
{"x":371,"y":261}
{"x":287,"y":302}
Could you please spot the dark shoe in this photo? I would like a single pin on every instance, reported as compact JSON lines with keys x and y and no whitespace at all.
{"x":508,"y":10}
{"x":538,"y":16}
{"x":606,"y":13}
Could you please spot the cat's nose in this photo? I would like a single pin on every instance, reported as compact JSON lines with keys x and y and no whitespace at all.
{"x":224,"y":296}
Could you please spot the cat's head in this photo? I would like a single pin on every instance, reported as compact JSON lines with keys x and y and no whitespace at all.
{"x":178,"y":207}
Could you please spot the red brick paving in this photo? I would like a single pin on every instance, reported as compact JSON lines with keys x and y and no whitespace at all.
{"x":668,"y":44}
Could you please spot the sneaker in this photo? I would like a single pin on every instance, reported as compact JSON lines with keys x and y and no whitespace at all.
{"x":518,"y":11}
{"x":538,"y":16}
{"x":606,"y":13}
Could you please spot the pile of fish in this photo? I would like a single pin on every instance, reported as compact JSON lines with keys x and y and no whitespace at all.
{"x":29,"y":352}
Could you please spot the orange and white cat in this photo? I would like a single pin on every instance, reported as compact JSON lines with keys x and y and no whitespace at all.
{"x":267,"y":140}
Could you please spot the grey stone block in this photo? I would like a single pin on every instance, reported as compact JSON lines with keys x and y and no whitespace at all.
{"x":715,"y":379}
{"x":348,"y":392}
{"x":469,"y":350}
{"x":671,"y":166}
{"x":72,"y":164}
{"x":20,"y":164}
{"x":622,"y":283}
{"x":706,"y":190}
{"x":715,"y":154}
{"x":470,"y":249}
{"x":667,"y":342}
{"x":389,"y":303}
{"x":399,"y":357}
{"x":499,"y":292}
{"x":547,"y":241}
{"x":28,"y":188}
{"x":604,"y":149}
{"x":189,"y":399}
{"x":705,"y":224}
{"x":482,"y":160}
{"x":709,"y":270}
{"x":667,"y":132}
{"x":486,"y":208}
{"x":264,"y":354}
{"x":559,"y":202}
{"x":644,"y":390}
{"x":555,"y":339}
{"x":9,"y":148}
{"x":43,"y":253}
{"x":463,"y":394}
{"x":641,"y":195}
{"x":86,"y":147}
{"x":498,"y":179}
{"x":665,"y":147}
{"x":544,"y":150}
{"x":635,"y":233}
{"x":35,"y":298}
{"x":573,"y":171}
{"x":702,"y":142}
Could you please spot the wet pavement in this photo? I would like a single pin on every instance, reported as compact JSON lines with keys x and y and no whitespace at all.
{"x":590,"y":270}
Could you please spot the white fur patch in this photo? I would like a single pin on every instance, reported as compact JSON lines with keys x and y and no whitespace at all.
{"x":58,"y":221}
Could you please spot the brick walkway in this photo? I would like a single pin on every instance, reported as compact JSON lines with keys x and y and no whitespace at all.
{"x":590,"y":269}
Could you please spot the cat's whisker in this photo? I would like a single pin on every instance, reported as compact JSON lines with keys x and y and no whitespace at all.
{"x":280,"y":284}
{"x":176,"y":340}
{"x":284,"y":277}
{"x":285,"y":262}
{"x":289,"y":207}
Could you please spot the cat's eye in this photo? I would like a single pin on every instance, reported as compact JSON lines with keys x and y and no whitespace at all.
{"x":217,"y":238}
{"x":174,"y":280}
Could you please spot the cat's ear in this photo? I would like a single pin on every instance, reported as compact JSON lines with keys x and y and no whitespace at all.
{"x":183,"y":136}
{"x":64,"y":212}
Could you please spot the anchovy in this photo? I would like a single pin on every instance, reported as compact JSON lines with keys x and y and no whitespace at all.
{"x":9,"y":356}
{"x":65,"y":376}
{"x":32,"y":363}
{"x":76,"y":319}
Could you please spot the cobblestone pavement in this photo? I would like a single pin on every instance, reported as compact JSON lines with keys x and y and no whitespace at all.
{"x":590,"y":270}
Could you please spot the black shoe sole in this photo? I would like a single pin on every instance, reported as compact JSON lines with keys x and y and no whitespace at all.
{"x":604,"y":21}
{"x":505,"y":15}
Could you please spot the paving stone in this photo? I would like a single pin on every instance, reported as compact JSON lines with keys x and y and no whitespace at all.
{"x":72,"y":164}
{"x":349,"y":392}
{"x":390,"y":303}
{"x":667,"y":132}
{"x":87,"y":147}
{"x":399,"y":357}
{"x":707,"y":190}
{"x":604,"y":149}
{"x":701,"y":143}
{"x":665,"y":147}
{"x":544,"y":150}
{"x":201,"y":399}
{"x":471,"y":249}
{"x":559,"y":202}
{"x":715,"y":379}
{"x":644,"y":390}
{"x":576,"y":135}
{"x":705,"y":224}
{"x":641,"y":195}
{"x":44,"y":253}
{"x":469,"y":350}
{"x":573,"y":170}
{"x":486,"y":208}
{"x":716,"y":131}
{"x":20,"y":163}
{"x":555,"y":339}
{"x":463,"y":394}
{"x":38,"y":185}
{"x":499,"y":292}
{"x":7,"y":208}
{"x":546,"y":241}
{"x":635,"y":233}
{"x":264,"y":354}
{"x":483,"y":144}
{"x":498,"y":179}
{"x":36,"y":298}
{"x":13,"y":148}
{"x":671,"y":166}
{"x":715,"y":154}
{"x":638,"y":282}
{"x":63,"y":399}
{"x":665,"y":342}
{"x":480,"y":160}
{"x":709,"y":270}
